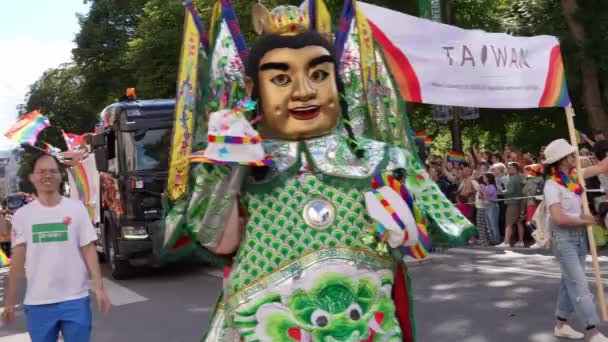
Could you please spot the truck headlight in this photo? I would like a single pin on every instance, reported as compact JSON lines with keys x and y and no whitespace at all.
{"x":135,"y":233}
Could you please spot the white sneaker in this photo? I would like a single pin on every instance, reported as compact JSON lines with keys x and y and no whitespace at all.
{"x":535,"y":246}
{"x":599,"y":338}
{"x":520,"y":244}
{"x":503,"y":245}
{"x":567,"y":332}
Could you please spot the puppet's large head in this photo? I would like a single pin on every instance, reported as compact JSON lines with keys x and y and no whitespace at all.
{"x":293,"y":74}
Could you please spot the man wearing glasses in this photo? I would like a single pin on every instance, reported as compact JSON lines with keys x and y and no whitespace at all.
{"x":55,"y":238}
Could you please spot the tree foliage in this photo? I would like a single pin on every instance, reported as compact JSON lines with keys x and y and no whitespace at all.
{"x":136,"y":43}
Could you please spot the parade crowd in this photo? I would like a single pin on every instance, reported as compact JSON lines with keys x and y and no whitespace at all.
{"x":500,"y":191}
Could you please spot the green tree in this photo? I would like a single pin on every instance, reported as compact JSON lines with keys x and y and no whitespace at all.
{"x":58,"y":94}
{"x":101,"y":46}
{"x":154,"y":50}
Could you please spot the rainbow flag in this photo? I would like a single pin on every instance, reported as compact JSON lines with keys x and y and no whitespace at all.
{"x":456,"y":157}
{"x":420,"y":136}
{"x":580,"y":137}
{"x":427,"y":142}
{"x":73,"y":141}
{"x":27,"y":128}
{"x":50,"y":149}
{"x":79,"y":174}
{"x":4,"y":260}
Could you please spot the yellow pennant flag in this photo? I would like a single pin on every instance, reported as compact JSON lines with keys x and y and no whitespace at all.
{"x":183,"y":125}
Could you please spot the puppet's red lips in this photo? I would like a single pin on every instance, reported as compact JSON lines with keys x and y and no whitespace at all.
{"x":305,"y":113}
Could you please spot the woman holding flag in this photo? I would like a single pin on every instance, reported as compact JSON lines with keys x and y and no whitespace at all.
{"x":567,"y":223}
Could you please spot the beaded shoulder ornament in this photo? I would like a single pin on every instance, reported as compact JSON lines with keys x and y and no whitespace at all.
{"x":569,"y":181}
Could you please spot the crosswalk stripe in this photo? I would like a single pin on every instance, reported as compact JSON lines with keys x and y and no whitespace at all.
{"x":120,"y":295}
{"x":25,"y":337}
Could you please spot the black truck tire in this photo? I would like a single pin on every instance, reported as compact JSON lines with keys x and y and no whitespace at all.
{"x":121,"y":269}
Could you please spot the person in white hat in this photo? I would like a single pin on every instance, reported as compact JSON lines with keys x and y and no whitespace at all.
{"x":562,"y":195}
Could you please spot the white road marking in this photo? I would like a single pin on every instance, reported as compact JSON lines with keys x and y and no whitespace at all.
{"x":25,"y":337}
{"x":518,"y":270}
{"x":217,"y":273}
{"x":120,"y":295}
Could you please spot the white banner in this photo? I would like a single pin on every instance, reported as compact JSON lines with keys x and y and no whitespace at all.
{"x":446,"y":65}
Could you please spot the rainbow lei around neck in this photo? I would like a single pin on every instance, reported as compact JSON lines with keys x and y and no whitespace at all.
{"x":569,"y":181}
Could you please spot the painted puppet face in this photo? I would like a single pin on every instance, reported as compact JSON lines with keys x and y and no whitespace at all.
{"x":298,"y":93}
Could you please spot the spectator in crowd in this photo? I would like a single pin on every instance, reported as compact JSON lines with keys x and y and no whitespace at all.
{"x":442,"y":181}
{"x":514,"y":206}
{"x":533,"y":189}
{"x":598,"y":135}
{"x":481,"y":221}
{"x":466,"y":186}
{"x":496,"y":158}
{"x":490,"y":196}
{"x":502,"y":178}
{"x":600,"y":150}
{"x":562,"y":195}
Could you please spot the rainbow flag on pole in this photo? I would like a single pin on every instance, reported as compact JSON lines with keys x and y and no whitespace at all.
{"x":420,"y":136}
{"x":456,"y":157}
{"x":427,"y":142}
{"x":79,"y":174}
{"x":4,"y":260}
{"x":27,"y":128}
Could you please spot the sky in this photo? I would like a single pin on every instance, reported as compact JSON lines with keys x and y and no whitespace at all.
{"x":35,"y":35}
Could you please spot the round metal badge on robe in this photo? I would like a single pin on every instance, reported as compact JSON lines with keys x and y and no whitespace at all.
{"x":319,"y":213}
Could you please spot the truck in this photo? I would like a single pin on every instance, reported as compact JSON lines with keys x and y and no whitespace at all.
{"x":131,"y":149}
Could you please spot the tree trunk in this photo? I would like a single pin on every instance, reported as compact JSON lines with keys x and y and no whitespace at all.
{"x":592,"y":96}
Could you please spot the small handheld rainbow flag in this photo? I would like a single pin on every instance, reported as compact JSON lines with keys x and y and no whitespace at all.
{"x":580,"y":137}
{"x":50,"y":149}
{"x":27,"y":128}
{"x":420,"y":136}
{"x":4,"y":260}
{"x":427,"y":142}
{"x":456,"y":157}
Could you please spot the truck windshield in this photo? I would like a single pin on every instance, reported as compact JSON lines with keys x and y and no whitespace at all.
{"x":147,"y":149}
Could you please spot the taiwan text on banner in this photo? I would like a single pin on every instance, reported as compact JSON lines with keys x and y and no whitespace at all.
{"x":181,"y":144}
{"x":446,"y":65}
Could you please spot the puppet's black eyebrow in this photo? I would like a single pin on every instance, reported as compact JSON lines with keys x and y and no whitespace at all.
{"x":320,"y":60}
{"x":274,"y":66}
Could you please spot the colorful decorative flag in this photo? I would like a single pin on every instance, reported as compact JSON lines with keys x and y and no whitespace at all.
{"x":456,"y":157}
{"x":73,"y":141}
{"x":420,"y":136}
{"x":181,"y":142}
{"x":50,"y":149}
{"x":27,"y":128}
{"x":4,"y":260}
{"x":427,"y":142}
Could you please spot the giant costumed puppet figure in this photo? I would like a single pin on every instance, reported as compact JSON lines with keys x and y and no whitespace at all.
{"x":309,"y":183}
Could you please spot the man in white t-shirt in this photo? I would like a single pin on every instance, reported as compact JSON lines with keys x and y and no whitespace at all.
{"x":53,"y":244}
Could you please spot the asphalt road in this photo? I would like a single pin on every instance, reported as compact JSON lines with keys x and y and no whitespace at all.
{"x":468,"y":295}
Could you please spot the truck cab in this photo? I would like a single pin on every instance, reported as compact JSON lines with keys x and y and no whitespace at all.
{"x":131,"y":148}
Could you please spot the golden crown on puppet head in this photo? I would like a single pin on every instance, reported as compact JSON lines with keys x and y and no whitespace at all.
{"x":282,"y":20}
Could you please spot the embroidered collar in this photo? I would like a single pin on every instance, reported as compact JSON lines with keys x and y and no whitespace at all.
{"x":330,"y":155}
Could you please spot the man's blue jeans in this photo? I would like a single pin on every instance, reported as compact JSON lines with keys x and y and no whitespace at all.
{"x":570,"y":247}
